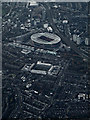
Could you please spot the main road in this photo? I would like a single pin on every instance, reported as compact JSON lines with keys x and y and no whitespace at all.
{"x":61,"y":35}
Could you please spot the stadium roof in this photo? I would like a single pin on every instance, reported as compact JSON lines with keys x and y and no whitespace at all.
{"x":45,"y":38}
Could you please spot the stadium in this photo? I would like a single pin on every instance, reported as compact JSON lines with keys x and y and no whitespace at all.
{"x":46,"y":40}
